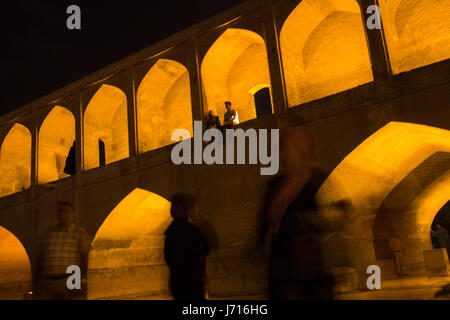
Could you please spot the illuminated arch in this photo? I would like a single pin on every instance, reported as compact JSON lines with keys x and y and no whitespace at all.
{"x":56,"y":136}
{"x":127,"y":259}
{"x":15,"y":268}
{"x":235,"y":63}
{"x":324,"y":50}
{"x":417,"y":32}
{"x":371,"y":171}
{"x":378,"y":164}
{"x":105,"y":118}
{"x":15,"y":160}
{"x":163,"y":104}
{"x":401,"y":213}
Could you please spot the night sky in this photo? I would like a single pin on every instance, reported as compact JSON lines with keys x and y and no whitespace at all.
{"x":40,"y":54}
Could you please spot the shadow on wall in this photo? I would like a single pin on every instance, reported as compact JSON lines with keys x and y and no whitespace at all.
{"x":417,"y":32}
{"x":234,"y":69}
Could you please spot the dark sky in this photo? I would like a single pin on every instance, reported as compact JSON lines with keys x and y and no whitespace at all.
{"x":40,"y":54}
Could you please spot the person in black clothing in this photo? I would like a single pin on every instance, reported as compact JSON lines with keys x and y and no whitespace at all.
{"x":185,"y":250}
{"x":213,"y":121}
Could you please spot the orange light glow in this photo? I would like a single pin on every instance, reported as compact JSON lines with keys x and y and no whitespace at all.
{"x":15,"y":269}
{"x":163,"y":104}
{"x":56,"y":136}
{"x":15,"y":160}
{"x":324,"y":50}
{"x":234,"y":65}
{"x":105,"y":118}
{"x":417,"y":32}
{"x":126,"y":260}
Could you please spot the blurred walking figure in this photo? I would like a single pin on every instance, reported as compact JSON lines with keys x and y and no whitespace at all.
{"x":396,"y":246}
{"x":185,"y":251}
{"x":63,"y":245}
{"x":297,"y":269}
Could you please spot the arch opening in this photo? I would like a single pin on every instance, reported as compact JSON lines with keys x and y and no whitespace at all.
{"x":163,"y":104}
{"x":15,"y":161}
{"x":56,"y":136}
{"x":235,"y":64}
{"x":324,"y":50}
{"x":443,"y":219}
{"x":403,"y":214}
{"x":417,"y":32}
{"x":105,"y":120}
{"x":15,"y":268}
{"x":127,"y":259}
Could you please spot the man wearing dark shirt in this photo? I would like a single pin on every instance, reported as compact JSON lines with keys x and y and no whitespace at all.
{"x":213,"y":121}
{"x":185,"y":250}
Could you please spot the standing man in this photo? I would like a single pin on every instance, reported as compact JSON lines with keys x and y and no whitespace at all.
{"x":230,"y":117}
{"x":63,"y":245}
{"x":185,"y":251}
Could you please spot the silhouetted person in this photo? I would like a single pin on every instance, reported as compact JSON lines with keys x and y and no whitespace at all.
{"x":440,"y":234}
{"x":296,"y":263}
{"x":230,"y":117}
{"x":70,"y":167}
{"x":213,"y":121}
{"x":185,"y":250}
{"x":396,"y":245}
{"x":63,"y":245}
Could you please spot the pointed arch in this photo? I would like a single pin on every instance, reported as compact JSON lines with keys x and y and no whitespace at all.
{"x":105,"y":119}
{"x":56,"y":136}
{"x":324,"y":50}
{"x":15,"y":160}
{"x":163,"y":104}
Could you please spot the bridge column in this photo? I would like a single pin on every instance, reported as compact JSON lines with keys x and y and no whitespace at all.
{"x":130,"y":92}
{"x":78,"y":114}
{"x":377,"y":50}
{"x":193,"y":66}
{"x":279,"y":99}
